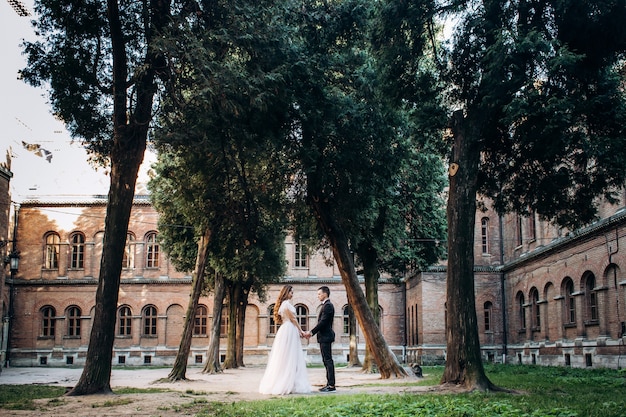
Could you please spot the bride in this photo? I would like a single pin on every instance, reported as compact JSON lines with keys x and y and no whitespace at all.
{"x":286,"y":368}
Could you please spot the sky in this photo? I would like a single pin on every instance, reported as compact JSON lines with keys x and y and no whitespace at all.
{"x":58,"y":166}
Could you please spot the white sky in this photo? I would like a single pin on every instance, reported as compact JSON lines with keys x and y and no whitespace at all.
{"x":25,"y":116}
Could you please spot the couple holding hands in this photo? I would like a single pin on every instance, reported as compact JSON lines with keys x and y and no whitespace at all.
{"x":286,"y":368}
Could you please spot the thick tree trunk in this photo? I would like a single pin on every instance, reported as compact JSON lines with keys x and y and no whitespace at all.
{"x":96,"y":376}
{"x":130,"y":131}
{"x":179,"y":369}
{"x":371,"y":276}
{"x":354,"y":342}
{"x":463,"y":361}
{"x":386,"y":360}
{"x":234,"y":295}
{"x":212,"y":365}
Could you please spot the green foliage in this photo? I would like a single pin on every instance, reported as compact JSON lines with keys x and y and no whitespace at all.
{"x":544,"y":103}
{"x":221,"y":167}
{"x":367,"y":154}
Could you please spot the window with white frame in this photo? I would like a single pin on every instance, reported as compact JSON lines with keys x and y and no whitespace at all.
{"x":77,"y":251}
{"x":150,"y":321}
{"x":201,"y":320}
{"x":73,"y":321}
{"x":152,"y":250}
{"x":484,"y":235}
{"x":48,"y":321}
{"x":300,"y":255}
{"x":124,"y":321}
{"x":487,"y":315}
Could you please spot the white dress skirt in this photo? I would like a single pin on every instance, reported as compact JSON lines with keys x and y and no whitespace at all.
{"x":286,"y":368}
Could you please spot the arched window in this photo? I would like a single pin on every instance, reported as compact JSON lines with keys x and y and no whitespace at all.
{"x":124,"y":321}
{"x":200,"y":321}
{"x":129,"y":252}
{"x":73,"y":321}
{"x":149,"y":321}
{"x":521,"y":311}
{"x":487,"y":311}
{"x":346,"y":319}
{"x":152,"y":250}
{"x":535,"y":309}
{"x":484,"y":233}
{"x":302,"y":317}
{"x":53,"y":248}
{"x":591,"y":298}
{"x":77,"y":251}
{"x":570,"y":301}
{"x":48,"y":320}
{"x":273,"y":326}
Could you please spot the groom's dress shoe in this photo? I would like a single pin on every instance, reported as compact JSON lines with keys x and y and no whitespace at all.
{"x":328,"y":388}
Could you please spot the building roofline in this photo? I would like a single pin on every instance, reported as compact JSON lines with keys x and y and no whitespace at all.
{"x":617,"y":219}
{"x":78,"y":200}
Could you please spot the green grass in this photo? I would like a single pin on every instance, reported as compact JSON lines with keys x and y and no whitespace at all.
{"x":20,"y":397}
{"x":542,"y":392}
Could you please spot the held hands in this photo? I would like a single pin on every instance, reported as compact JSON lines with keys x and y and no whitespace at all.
{"x":306,"y":335}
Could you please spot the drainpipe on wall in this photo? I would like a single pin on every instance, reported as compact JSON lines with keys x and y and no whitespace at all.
{"x":14,"y":255}
{"x":503,"y":290}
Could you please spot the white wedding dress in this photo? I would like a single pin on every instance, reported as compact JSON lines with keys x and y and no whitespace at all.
{"x":286,"y":368}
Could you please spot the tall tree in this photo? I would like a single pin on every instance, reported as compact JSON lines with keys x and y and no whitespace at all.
{"x":219,"y":161}
{"x":541,"y":128}
{"x":408,"y":221}
{"x":102,"y":68}
{"x":346,"y":142}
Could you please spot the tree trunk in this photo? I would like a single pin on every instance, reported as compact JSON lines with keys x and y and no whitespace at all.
{"x":241,"y":325}
{"x":179,"y":369}
{"x":96,"y":374}
{"x":130,"y":131}
{"x":463,"y":361}
{"x":371,"y":276}
{"x":354,"y":360}
{"x":385,"y":359}
{"x":212,"y":365}
{"x":233,"y":297}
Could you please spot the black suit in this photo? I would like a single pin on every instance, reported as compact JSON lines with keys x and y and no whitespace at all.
{"x":325,"y":337}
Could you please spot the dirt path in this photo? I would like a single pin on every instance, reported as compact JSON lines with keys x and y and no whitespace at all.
{"x":180,"y":398}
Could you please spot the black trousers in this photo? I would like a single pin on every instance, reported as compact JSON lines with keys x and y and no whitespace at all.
{"x":327,"y":358}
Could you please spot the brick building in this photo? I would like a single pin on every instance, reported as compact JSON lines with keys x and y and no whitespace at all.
{"x":60,"y":244}
{"x":543,"y":295}
{"x":5,"y":216}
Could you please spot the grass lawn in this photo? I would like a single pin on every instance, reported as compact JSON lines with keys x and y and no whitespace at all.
{"x":543,"y":391}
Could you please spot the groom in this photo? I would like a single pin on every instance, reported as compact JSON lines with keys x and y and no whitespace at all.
{"x":326,"y":336}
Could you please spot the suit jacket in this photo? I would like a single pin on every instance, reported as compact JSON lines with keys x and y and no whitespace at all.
{"x":324,"y":327}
